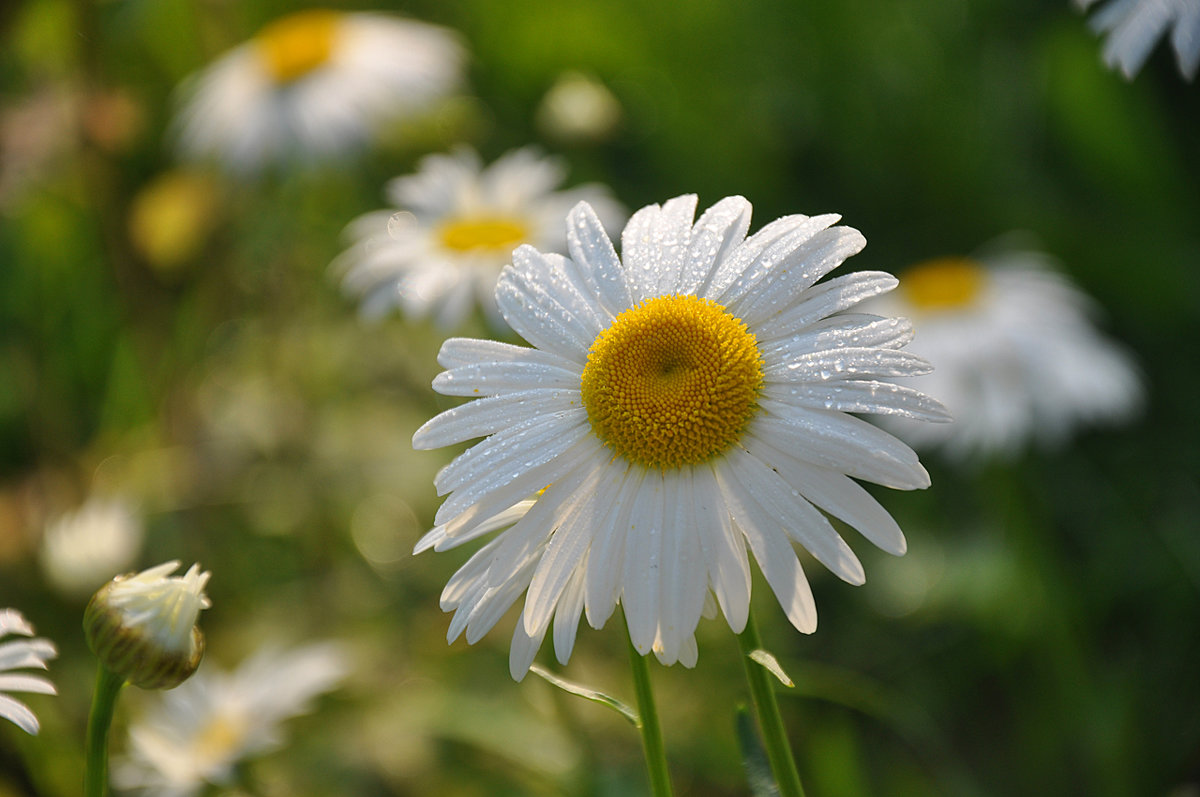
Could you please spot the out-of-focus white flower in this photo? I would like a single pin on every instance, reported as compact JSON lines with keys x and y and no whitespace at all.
{"x":1135,"y":26}
{"x":83,"y":549}
{"x":579,"y":108}
{"x":314,"y":83}
{"x":143,"y":626}
{"x":1015,"y":354}
{"x":458,"y":226}
{"x":196,"y":734}
{"x":17,"y":654}
{"x":683,"y":406}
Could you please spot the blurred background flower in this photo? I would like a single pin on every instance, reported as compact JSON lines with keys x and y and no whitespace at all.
{"x":315,"y":83}
{"x":83,"y":549}
{"x":1016,"y":356}
{"x":1133,"y":27}
{"x":439,"y":256}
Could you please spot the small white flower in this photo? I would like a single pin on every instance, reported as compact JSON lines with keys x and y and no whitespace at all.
{"x":579,"y":108}
{"x":1135,"y":26}
{"x":458,"y":226}
{"x":82,"y":549}
{"x":197,"y":733}
{"x":314,"y":83}
{"x":1016,"y":357}
{"x":19,"y":654}
{"x":143,"y":626}
{"x":682,"y":403}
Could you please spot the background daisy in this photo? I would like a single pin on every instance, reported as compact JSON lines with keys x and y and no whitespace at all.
{"x":21,"y":654}
{"x":1133,"y":27}
{"x":457,"y":226}
{"x":196,"y":734}
{"x":681,"y":405}
{"x":314,"y":83}
{"x":1016,"y":356}
{"x":81,"y":550}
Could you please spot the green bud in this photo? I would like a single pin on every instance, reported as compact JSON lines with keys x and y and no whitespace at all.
{"x":142,"y":626}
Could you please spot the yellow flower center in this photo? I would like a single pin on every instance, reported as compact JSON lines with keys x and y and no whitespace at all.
{"x":220,"y":739}
{"x":483,"y":233}
{"x":942,"y":284}
{"x":672,"y":382}
{"x":295,"y":45}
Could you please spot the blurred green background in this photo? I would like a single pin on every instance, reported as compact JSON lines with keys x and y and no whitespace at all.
{"x":1042,"y":636}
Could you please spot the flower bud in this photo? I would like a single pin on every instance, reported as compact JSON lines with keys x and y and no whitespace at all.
{"x":143,"y":625}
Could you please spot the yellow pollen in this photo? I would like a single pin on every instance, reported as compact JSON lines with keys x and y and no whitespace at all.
{"x":672,"y":382}
{"x":297,"y":44}
{"x":483,"y":234}
{"x":220,"y":738}
{"x":943,"y":284}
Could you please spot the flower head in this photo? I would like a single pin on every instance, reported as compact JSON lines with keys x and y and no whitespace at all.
{"x":680,"y":404}
{"x":143,"y":625}
{"x":200,"y":731}
{"x":20,"y":654}
{"x":458,"y":226}
{"x":314,"y":83}
{"x":1016,"y":356}
{"x":82,"y":549}
{"x":1134,"y":26}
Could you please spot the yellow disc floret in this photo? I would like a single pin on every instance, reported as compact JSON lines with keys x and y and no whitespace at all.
{"x":672,"y":382}
{"x":295,"y":45}
{"x":943,"y":284}
{"x":483,"y":234}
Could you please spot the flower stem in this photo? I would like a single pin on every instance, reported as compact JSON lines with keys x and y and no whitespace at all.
{"x":108,"y":686}
{"x":652,"y":743}
{"x":762,"y":692}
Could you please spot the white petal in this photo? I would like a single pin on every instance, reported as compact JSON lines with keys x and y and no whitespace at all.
{"x":880,"y":398}
{"x":590,"y":247}
{"x":457,"y":352}
{"x":774,"y":555}
{"x":724,"y":550}
{"x":840,"y":331}
{"x":847,"y":363}
{"x":731,"y":267}
{"x":653,"y":244}
{"x":556,"y":281}
{"x":524,"y":649}
{"x":643,"y":555}
{"x":19,"y":682}
{"x":789,"y":265}
{"x":540,"y":318}
{"x":772,"y":500}
{"x":841,"y":442}
{"x":492,"y":414}
{"x":519,"y":447}
{"x":839,"y":293}
{"x":608,"y":551}
{"x":566,"y":617}
{"x":19,"y":714}
{"x":717,"y":232}
{"x":683,"y":575}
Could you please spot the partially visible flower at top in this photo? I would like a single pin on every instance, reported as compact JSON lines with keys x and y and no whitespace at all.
{"x":80,"y":550}
{"x":579,"y":108}
{"x":143,"y":626}
{"x":172,"y":217}
{"x":458,"y":226}
{"x":1135,"y":26}
{"x":199,"y":732}
{"x":1016,"y":356}
{"x":680,"y":404}
{"x":314,"y":83}
{"x":19,"y":654}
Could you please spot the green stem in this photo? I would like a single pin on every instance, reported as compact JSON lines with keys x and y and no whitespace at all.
{"x":652,"y":742}
{"x":108,"y":686}
{"x":762,"y":692}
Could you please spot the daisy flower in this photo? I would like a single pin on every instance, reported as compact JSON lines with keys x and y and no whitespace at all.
{"x":1135,"y":26}
{"x":314,"y":83}
{"x":17,"y":654}
{"x":681,"y":404}
{"x":1016,"y":356}
{"x":81,"y":550}
{"x":196,"y":734}
{"x":458,"y":225}
{"x":143,"y":625}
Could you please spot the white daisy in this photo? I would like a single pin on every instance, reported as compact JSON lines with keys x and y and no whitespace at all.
{"x":143,"y":625}
{"x":314,"y":83}
{"x":1135,"y":26}
{"x":681,"y":404}
{"x":196,"y":734}
{"x":457,"y":228}
{"x":83,"y":549}
{"x":18,"y":654}
{"x":1016,"y":357}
